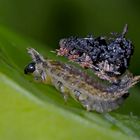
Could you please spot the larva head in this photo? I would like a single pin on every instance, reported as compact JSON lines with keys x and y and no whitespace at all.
{"x":38,"y":65}
{"x":30,"y":68}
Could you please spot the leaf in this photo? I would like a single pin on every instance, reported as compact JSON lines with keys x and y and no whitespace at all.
{"x":30,"y":110}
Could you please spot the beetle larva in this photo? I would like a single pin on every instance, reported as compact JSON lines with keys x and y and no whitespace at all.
{"x":88,"y":91}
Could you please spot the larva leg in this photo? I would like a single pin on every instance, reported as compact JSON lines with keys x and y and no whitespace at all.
{"x":64,"y":91}
{"x":82,"y":98}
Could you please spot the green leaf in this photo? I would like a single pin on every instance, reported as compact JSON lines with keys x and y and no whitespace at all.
{"x":30,"y":110}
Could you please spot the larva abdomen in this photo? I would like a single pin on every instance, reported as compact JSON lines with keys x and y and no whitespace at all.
{"x":91,"y":102}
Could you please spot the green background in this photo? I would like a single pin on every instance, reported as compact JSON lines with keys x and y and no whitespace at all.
{"x":33,"y":111}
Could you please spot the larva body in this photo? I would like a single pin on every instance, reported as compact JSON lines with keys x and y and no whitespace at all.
{"x":70,"y":80}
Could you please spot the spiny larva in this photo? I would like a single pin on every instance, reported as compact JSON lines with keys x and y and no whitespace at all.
{"x":91,"y":93}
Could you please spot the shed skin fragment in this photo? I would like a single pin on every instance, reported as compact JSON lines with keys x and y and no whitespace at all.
{"x":107,"y":57}
{"x":90,"y":93}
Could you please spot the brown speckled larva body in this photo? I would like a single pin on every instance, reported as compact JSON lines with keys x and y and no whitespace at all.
{"x":70,"y":80}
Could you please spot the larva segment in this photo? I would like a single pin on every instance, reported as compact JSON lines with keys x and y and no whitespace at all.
{"x":64,"y":90}
{"x":89,"y":92}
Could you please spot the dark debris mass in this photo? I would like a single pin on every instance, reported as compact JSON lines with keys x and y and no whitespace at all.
{"x":109,"y":55}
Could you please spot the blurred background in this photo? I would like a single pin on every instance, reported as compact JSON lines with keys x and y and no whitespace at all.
{"x":47,"y":21}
